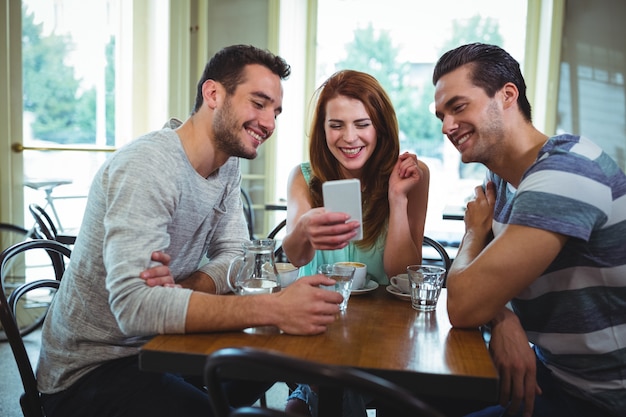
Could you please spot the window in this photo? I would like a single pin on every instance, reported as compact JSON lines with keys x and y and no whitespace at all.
{"x":68,"y":73}
{"x":399,"y":44}
{"x":592,"y":93}
{"x":112,"y":79}
{"x":88,"y":84}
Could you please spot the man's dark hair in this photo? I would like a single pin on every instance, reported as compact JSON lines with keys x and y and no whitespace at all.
{"x":227,"y":65}
{"x":491,"y":67}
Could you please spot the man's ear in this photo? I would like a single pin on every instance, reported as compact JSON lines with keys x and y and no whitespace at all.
{"x":210,"y":93}
{"x":509,"y":95}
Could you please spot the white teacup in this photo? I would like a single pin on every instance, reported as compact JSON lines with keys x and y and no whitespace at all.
{"x":288,"y":273}
{"x":360,"y":274}
{"x":401,"y":283}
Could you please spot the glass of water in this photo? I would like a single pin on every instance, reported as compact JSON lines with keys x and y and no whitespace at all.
{"x":343,"y":276}
{"x":426,"y":282}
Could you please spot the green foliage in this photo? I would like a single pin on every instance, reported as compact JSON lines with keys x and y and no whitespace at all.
{"x":62,"y":113}
{"x":49,"y":84}
{"x":377,"y":56}
{"x":374,"y":53}
{"x":474,"y":29}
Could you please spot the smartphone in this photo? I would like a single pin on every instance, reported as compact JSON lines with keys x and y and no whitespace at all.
{"x":344,"y":196}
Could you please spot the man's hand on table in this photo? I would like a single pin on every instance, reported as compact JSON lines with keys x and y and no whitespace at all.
{"x":304,"y":308}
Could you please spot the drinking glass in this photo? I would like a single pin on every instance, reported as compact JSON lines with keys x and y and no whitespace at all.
{"x":426,"y":282}
{"x":343,"y":276}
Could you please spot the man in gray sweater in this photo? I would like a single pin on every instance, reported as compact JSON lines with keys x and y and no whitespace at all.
{"x":173,"y":191}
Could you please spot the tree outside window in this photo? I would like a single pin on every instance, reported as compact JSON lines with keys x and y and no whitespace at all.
{"x":57,"y":107}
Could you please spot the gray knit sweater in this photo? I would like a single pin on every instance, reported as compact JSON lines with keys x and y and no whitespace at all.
{"x":146,"y":197}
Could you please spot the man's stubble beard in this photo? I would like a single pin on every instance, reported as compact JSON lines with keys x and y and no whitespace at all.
{"x":490,"y":136}
{"x":227,"y":130}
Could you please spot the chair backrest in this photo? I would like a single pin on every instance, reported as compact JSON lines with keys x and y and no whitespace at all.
{"x":44,"y":224}
{"x":248,"y":211}
{"x":45,"y":228}
{"x":273,"y":366}
{"x":29,"y":401}
{"x":279,"y":255}
{"x":445,"y":260}
{"x":11,"y":234}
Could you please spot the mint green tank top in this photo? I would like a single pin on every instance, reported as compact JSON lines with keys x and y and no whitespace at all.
{"x":372,"y":257}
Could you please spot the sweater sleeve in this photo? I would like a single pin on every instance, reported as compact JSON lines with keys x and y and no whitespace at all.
{"x":231,"y":232}
{"x":141,"y":196}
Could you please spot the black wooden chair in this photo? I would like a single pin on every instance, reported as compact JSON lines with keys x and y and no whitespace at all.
{"x":248,"y":211}
{"x":18,"y":304}
{"x":279,"y":255}
{"x":13,"y":273}
{"x":443,"y":260}
{"x":262,"y":365}
{"x":11,"y":234}
{"x":45,"y":228}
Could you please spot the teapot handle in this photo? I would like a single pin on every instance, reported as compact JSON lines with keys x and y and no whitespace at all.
{"x":233,"y":273}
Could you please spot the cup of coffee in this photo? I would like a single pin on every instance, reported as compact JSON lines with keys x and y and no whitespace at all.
{"x":426,"y":282}
{"x":288,"y":273}
{"x":360,"y":274}
{"x":401,"y":283}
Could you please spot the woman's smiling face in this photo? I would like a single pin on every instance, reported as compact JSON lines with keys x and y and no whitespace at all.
{"x":350,"y":134}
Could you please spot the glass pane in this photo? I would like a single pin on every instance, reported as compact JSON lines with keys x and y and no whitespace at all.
{"x":69,"y":100}
{"x":399,"y":44}
{"x":59,"y":182}
{"x":592,"y":93}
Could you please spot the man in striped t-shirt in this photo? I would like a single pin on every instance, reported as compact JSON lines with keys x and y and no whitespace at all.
{"x":547,"y":233}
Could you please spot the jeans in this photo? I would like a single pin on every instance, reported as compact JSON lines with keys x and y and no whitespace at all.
{"x":118,"y":389}
{"x":553,"y":402}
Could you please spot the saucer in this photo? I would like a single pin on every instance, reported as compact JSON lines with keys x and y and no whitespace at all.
{"x":370,"y":286}
{"x":397,"y":293}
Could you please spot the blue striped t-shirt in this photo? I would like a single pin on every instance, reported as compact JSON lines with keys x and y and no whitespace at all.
{"x":575,"y":312}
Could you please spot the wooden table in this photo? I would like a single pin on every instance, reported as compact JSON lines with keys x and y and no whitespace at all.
{"x":378,"y":333}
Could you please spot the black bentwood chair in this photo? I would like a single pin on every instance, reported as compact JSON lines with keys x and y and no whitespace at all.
{"x":29,"y":301}
{"x":444,"y":260}
{"x":45,"y":228}
{"x":10,"y":234}
{"x":263,"y":365}
{"x":279,"y":254}
{"x":248,"y":211}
